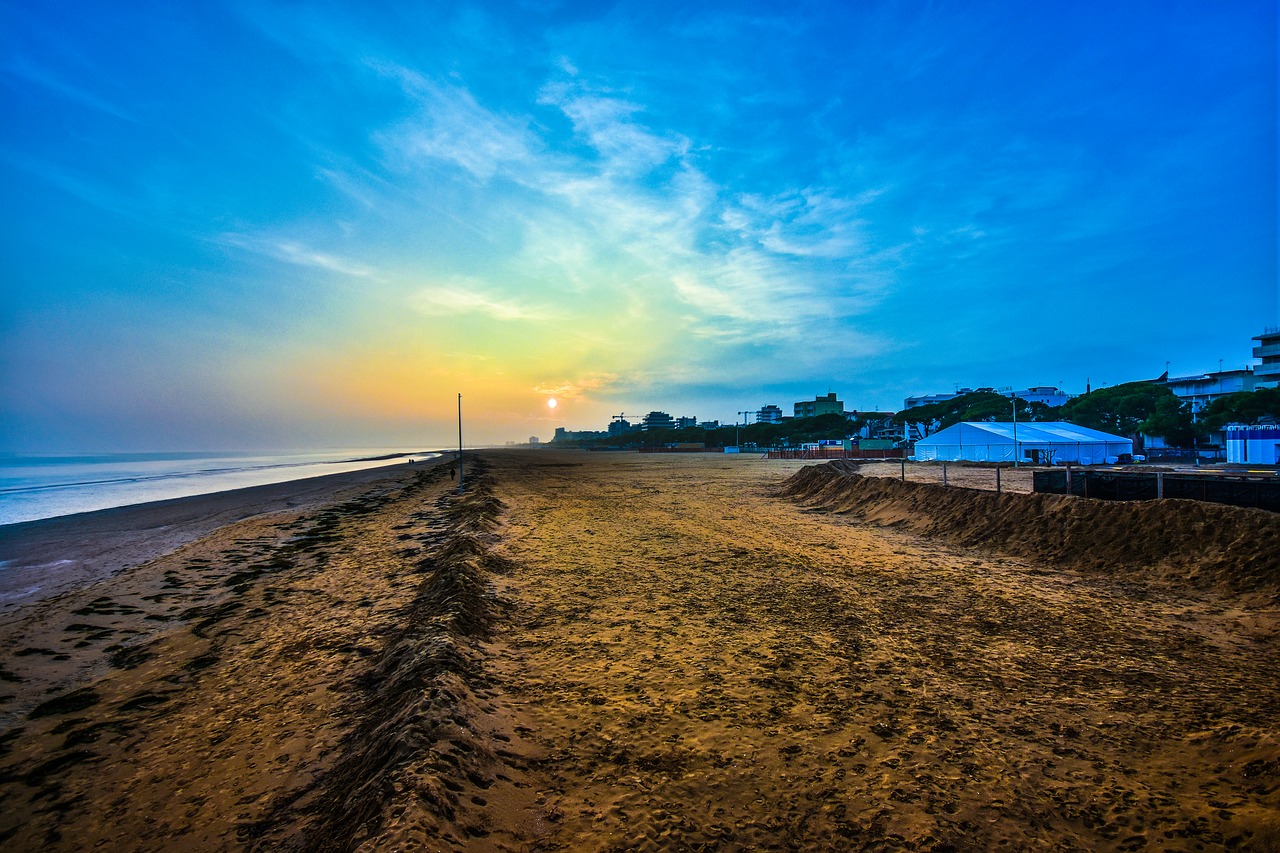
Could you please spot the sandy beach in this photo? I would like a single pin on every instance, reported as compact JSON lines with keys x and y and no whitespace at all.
{"x":616,"y":651}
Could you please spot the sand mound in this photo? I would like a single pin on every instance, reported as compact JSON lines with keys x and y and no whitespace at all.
{"x":415,"y":740}
{"x":1230,"y":549}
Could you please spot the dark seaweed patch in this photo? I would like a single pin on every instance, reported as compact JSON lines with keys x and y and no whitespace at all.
{"x":127,"y":657}
{"x":76,"y":700}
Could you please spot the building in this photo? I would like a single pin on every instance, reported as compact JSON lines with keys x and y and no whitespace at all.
{"x":877,"y":425}
{"x":1253,"y":445}
{"x":621,"y":426}
{"x":657,"y":420}
{"x":769,"y":415}
{"x":1267,"y":351}
{"x":1035,"y":443}
{"x":930,"y":399}
{"x":533,"y":441}
{"x":826,"y":405}
{"x":1202,"y":389}
{"x":686,"y":423}
{"x":1046,"y":394}
{"x":563,"y":435}
{"x":709,"y":425}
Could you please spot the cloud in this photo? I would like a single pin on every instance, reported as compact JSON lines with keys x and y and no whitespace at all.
{"x":297,"y":253}
{"x":23,"y":68}
{"x":610,"y":125}
{"x":464,"y":296}
{"x":582,"y":195}
{"x":449,"y":125}
{"x":582,"y":388}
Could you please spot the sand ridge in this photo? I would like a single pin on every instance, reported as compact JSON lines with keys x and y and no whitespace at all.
{"x":1190,"y":542}
{"x":209,"y":680}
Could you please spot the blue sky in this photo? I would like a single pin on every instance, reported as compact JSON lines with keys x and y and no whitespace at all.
{"x":255,"y":225}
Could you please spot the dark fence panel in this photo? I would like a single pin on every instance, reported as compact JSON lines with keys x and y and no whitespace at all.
{"x":1145,"y":486}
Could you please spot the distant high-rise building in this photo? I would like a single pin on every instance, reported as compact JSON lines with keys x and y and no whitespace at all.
{"x":1267,"y":374}
{"x":826,"y":405}
{"x":769,"y":415}
{"x":1203,"y":388}
{"x":658,"y":420}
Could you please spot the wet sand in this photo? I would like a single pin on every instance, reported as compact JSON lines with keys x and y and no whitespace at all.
{"x":624,"y":651}
{"x":38,"y":559}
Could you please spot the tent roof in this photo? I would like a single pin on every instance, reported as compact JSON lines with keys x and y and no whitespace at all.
{"x":1001,"y":432}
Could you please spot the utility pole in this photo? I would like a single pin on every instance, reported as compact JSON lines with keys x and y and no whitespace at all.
{"x":1014,"y":399}
{"x":459,"y":444}
{"x":737,"y":430}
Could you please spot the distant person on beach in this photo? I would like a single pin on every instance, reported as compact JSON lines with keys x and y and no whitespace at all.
{"x":453,"y":472}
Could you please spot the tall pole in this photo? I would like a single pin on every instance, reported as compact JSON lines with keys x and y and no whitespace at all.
{"x":1014,"y":400}
{"x":460,"y":444}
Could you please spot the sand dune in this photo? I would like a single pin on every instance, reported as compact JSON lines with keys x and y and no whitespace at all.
{"x":616,"y":651}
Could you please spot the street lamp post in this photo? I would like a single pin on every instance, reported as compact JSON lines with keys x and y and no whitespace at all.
{"x":459,"y":444}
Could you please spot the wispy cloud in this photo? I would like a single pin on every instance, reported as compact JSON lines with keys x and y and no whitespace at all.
{"x":450,"y":125}
{"x":297,"y":253}
{"x":23,"y":68}
{"x":583,"y":387}
{"x":461,"y":296}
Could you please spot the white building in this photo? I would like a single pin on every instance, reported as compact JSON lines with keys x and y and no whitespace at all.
{"x":1202,"y":389}
{"x":1036,"y":443}
{"x":1268,"y":351}
{"x":1253,"y":445}
{"x":1047,"y":394}
{"x":929,"y":399}
{"x":769,"y":415}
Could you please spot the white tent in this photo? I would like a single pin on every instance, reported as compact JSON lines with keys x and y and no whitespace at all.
{"x":978,"y":441}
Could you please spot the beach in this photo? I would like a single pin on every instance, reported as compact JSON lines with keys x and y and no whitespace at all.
{"x":619,"y":651}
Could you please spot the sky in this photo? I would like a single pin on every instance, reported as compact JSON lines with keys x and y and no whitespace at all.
{"x":255,"y":225}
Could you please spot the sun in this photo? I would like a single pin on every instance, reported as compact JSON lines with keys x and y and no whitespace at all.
{"x":551,"y":404}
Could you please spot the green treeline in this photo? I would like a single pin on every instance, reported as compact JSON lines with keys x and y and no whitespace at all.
{"x":1128,"y":409}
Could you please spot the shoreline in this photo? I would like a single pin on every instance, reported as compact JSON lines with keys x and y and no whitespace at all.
{"x":46,"y":557}
{"x":33,"y":491}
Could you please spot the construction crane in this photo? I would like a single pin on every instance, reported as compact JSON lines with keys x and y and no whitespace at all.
{"x":737,"y":429}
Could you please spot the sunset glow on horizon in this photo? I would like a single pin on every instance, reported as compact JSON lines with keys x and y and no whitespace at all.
{"x":252,"y":224}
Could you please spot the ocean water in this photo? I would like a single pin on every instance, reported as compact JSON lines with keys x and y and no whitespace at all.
{"x":34,"y":487}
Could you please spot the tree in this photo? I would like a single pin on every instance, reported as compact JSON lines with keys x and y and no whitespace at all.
{"x":1171,"y":420}
{"x":974,"y":406}
{"x":1243,"y":407}
{"x":1131,"y":409}
{"x":790,"y":431}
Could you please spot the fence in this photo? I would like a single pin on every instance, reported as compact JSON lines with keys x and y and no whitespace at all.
{"x":837,"y":453}
{"x":1148,"y":486}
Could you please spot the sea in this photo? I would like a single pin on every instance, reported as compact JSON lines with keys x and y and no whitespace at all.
{"x":34,"y":487}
